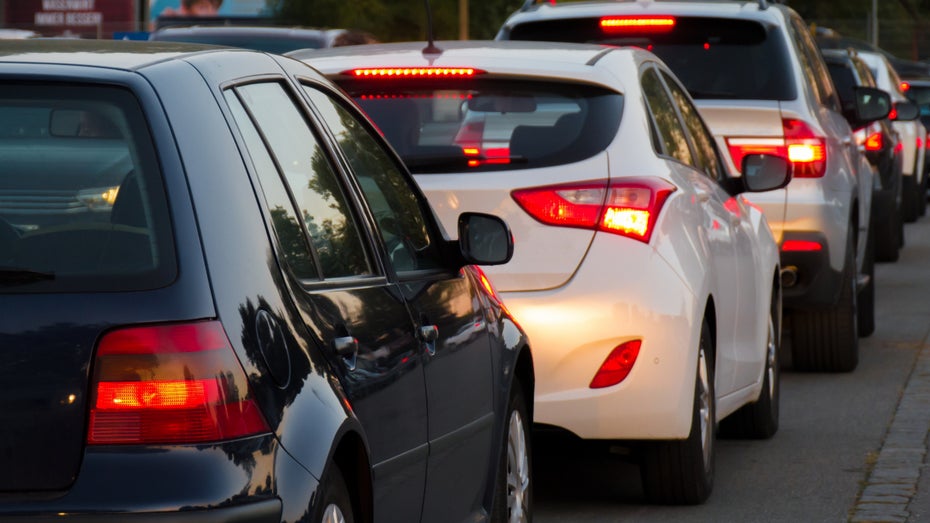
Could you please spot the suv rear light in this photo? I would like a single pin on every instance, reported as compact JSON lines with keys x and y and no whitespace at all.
{"x":806,"y":151}
{"x":801,"y":246}
{"x":170,"y":384}
{"x":627,"y":206}
{"x":413,"y":72}
{"x":637,"y":24}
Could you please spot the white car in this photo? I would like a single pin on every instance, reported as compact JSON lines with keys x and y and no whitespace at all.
{"x":647,"y":284}
{"x":912,"y":134}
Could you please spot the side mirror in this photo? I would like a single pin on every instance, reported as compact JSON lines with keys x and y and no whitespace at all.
{"x":871,"y":104}
{"x":484,"y":239}
{"x":905,"y":111}
{"x":765,"y":172}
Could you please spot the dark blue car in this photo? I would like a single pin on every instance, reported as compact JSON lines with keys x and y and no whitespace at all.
{"x":223,"y":298}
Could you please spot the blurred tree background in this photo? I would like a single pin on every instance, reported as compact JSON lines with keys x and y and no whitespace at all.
{"x":904,"y":25}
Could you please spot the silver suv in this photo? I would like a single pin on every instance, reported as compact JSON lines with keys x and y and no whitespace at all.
{"x":759,"y":81}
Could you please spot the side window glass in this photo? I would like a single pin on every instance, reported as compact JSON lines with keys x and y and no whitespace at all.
{"x":401,"y":219}
{"x":708,"y":161}
{"x":818,"y":69}
{"x":804,"y":56}
{"x":671,"y":134}
{"x":291,"y":237}
{"x":313,"y":183}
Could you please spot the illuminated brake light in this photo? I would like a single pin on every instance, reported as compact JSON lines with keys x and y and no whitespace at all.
{"x":874,"y":142}
{"x":617,"y":365}
{"x":801,"y":246}
{"x":806,"y":150}
{"x":622,"y":24}
{"x":413,"y":72}
{"x":170,"y":384}
{"x":893,"y":114}
{"x":628,"y":206}
{"x":905,"y":87}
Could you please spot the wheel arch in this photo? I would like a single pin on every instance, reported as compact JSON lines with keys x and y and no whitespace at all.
{"x":353,"y":461}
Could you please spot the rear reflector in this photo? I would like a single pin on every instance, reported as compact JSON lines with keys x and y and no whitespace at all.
{"x":800,"y":246}
{"x":413,"y":72}
{"x":625,"y":206}
{"x":170,"y":384}
{"x":617,"y":366}
{"x":622,"y":24}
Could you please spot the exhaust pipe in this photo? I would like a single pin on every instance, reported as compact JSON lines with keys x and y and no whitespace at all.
{"x":789,"y":276}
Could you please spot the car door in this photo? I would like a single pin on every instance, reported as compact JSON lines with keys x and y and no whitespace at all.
{"x":713,"y":228}
{"x":354,"y":312}
{"x":749,"y":327}
{"x":447,"y":313}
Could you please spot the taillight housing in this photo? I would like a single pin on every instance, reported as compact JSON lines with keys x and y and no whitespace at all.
{"x":625,"y":206}
{"x":617,"y":365}
{"x":170,"y":384}
{"x":806,"y":151}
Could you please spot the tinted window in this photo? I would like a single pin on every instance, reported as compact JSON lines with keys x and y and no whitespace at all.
{"x":81,"y":193}
{"x":291,"y":238}
{"x":270,"y":44}
{"x":713,"y":57}
{"x":843,"y":80}
{"x":707,"y":159}
{"x":311,"y":179}
{"x":392,"y":199}
{"x":672,"y":135}
{"x":490,"y":125}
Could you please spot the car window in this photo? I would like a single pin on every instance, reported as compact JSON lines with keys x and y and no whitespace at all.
{"x":392,"y":199}
{"x":310,"y":179}
{"x":813,"y":65}
{"x":843,"y":80}
{"x":865,"y":74}
{"x":489,"y":125}
{"x":82,"y":201}
{"x":713,"y":57}
{"x":707,"y":159}
{"x":674,"y":141}
{"x":291,"y":237}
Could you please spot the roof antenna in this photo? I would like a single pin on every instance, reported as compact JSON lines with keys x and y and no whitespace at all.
{"x":430,"y":48}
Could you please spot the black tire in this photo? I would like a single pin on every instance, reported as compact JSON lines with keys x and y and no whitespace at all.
{"x":828,"y":340}
{"x":865,"y":302}
{"x":681,"y":472}
{"x":887,"y":232}
{"x":922,"y":196}
{"x":513,"y":492}
{"x":909,"y":195}
{"x":759,"y":420}
{"x":335,"y":502}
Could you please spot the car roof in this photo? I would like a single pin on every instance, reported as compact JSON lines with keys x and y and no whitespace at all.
{"x":512,"y":59}
{"x":114,"y":54}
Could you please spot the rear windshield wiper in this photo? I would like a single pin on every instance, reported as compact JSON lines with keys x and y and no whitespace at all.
{"x":19,"y":276}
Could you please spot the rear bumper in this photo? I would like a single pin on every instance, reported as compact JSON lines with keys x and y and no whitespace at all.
{"x":817,"y":285}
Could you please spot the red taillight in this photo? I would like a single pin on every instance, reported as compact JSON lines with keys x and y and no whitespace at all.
{"x":893,"y":114}
{"x":637,"y":24}
{"x":170,"y":384}
{"x":920,"y":143}
{"x":875,"y":142}
{"x":627,"y":206}
{"x":905,"y":87}
{"x":413,"y":72}
{"x":800,"y":246}
{"x":617,"y":366}
{"x":806,"y":151}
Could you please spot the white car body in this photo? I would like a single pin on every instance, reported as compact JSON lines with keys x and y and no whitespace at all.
{"x":579,"y":293}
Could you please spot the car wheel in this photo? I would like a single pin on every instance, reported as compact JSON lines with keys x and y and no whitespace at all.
{"x":513,"y":496}
{"x":335,"y":502}
{"x":888,"y":233}
{"x":681,"y":472}
{"x":759,"y":420}
{"x":865,"y":302}
{"x":828,"y":340}
{"x":909,"y":196}
{"x":922,"y":197}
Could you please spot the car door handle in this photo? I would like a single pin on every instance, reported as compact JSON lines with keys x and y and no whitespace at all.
{"x":702,"y":197}
{"x":347,"y":347}
{"x":847,"y":140}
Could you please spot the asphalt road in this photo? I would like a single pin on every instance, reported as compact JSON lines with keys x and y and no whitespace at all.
{"x":832,"y":430}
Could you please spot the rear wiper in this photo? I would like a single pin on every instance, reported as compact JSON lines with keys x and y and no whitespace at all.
{"x":19,"y":276}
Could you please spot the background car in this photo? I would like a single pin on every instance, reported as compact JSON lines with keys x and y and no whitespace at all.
{"x":261,"y":38}
{"x":648,"y":286}
{"x":918,"y":91}
{"x":882,"y":146}
{"x":912,"y":134}
{"x":225,"y":299}
{"x":759,"y":81}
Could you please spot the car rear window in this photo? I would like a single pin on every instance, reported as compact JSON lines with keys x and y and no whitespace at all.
{"x":82,"y":205}
{"x":491,"y":125}
{"x":715,"y":58}
{"x":267,"y":43}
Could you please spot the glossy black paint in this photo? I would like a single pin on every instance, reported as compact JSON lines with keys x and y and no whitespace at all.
{"x":416,"y":424}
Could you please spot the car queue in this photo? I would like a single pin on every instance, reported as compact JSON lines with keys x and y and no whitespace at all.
{"x":350,"y":284}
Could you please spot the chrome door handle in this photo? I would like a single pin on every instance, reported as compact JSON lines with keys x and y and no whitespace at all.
{"x":347,"y":347}
{"x":702,"y":196}
{"x":428,"y":334}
